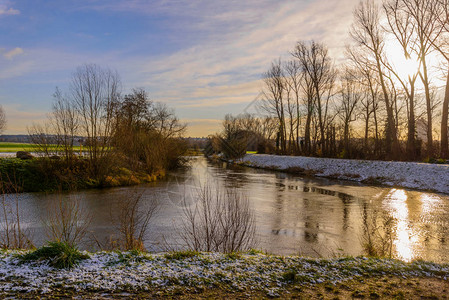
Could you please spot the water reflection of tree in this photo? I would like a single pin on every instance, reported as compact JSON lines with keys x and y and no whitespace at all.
{"x":378,"y":232}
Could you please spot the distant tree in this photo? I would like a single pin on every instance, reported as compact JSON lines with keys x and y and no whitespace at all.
{"x":319,"y":75}
{"x":147,"y":132}
{"x":2,"y":119}
{"x":94,"y":92}
{"x":351,"y":93}
{"x":369,"y":104}
{"x":274,"y":98}
{"x":65,"y":124}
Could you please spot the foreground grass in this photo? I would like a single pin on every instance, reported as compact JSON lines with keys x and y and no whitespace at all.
{"x":214,"y":275}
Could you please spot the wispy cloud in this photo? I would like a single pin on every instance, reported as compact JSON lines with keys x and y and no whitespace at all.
{"x":223,"y":49}
{"x":236,"y":57}
{"x":14,"y":52}
{"x":7,"y":10}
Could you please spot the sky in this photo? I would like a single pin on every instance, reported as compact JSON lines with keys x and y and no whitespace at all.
{"x":203,"y":58}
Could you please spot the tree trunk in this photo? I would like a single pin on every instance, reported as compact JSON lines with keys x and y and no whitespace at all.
{"x":411,"y":143}
{"x":425,"y":80}
{"x":444,"y":122}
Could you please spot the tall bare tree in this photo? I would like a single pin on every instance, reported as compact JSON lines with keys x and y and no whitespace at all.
{"x":441,"y":14}
{"x":370,"y":104}
{"x":274,"y":99}
{"x":65,"y":122}
{"x":401,"y":25}
{"x":418,"y":15}
{"x":293,"y":83}
{"x":368,"y":34}
{"x":95,"y":91}
{"x":319,"y":75}
{"x":351,"y":94}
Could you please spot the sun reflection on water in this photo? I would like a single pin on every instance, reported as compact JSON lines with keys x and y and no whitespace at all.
{"x":405,"y":238}
{"x":429,"y":203}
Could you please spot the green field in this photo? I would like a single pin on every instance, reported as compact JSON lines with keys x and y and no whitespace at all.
{"x":14,"y":147}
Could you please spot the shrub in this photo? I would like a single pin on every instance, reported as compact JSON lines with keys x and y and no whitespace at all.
{"x":12,"y":233}
{"x":132,"y":222}
{"x":59,"y":255}
{"x":67,"y":220}
{"x":219,"y":220}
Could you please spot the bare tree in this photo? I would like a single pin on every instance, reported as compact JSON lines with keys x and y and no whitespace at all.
{"x":133,"y":220}
{"x":65,"y":123}
{"x":274,"y":100}
{"x":42,"y":140}
{"x":94,"y":92}
{"x":2,"y":120}
{"x":319,"y":75}
{"x":367,"y":33}
{"x":218,"y":221}
{"x":401,"y":25}
{"x":440,"y":13}
{"x":67,"y":221}
{"x":293,"y":83}
{"x":369,"y":103}
{"x":414,"y":25}
{"x":351,"y":95}
{"x":13,"y":235}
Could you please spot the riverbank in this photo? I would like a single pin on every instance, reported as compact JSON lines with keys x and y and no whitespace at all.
{"x":421,"y":176}
{"x":49,"y":175}
{"x":191,"y":274}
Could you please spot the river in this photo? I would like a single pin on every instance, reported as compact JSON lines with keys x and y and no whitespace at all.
{"x":294,"y":215}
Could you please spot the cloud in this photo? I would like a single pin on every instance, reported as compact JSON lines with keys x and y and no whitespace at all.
{"x":230,"y":58}
{"x":224,"y":48}
{"x":14,"y":52}
{"x":6,"y":10}
{"x":9,"y":11}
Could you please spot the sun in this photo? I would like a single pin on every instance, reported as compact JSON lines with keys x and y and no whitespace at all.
{"x":408,"y":68}
{"x":405,"y":67}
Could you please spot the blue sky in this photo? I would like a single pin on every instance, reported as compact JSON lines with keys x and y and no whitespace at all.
{"x":203,"y":58}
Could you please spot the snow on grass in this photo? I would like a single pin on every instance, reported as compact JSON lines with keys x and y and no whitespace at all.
{"x":423,"y":176}
{"x":133,"y":271}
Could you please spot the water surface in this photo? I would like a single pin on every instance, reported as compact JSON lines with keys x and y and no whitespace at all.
{"x":294,"y":215}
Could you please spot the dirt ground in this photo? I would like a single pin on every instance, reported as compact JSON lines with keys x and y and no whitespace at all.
{"x":387,"y":287}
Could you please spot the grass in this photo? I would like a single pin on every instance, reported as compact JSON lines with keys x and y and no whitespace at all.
{"x":181,"y":254}
{"x":183,"y":275}
{"x":14,"y":147}
{"x":58,"y":254}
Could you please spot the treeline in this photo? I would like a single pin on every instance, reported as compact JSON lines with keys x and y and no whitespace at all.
{"x":124,"y":136}
{"x":369,"y":106}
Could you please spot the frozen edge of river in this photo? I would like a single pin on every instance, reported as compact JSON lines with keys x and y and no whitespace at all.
{"x":133,"y":271}
{"x":421,"y":176}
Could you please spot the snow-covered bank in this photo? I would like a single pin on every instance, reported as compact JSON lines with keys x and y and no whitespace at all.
{"x":433,"y":177}
{"x":131,"y":271}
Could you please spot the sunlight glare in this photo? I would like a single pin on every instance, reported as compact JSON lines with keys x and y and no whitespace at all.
{"x":404,"y":236}
{"x":405,"y":67}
